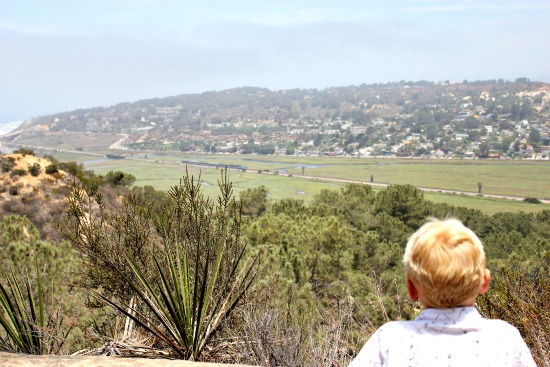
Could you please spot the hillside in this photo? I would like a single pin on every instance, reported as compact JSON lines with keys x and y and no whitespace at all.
{"x":26,"y":189}
{"x":27,"y":182}
{"x":405,"y":119}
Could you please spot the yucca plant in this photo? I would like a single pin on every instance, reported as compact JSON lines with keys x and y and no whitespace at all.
{"x":202,"y":274}
{"x":27,"y":328}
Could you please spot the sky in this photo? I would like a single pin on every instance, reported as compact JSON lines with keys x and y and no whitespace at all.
{"x":61,"y":55}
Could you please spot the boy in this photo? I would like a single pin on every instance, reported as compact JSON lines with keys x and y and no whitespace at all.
{"x":445,"y":267}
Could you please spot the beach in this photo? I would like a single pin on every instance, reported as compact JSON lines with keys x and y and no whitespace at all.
{"x":7,"y":127}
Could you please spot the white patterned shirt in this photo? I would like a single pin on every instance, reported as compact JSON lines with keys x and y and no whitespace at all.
{"x":458,"y":337}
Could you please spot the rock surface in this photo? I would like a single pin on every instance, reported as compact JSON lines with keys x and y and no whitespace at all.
{"x":24,"y":360}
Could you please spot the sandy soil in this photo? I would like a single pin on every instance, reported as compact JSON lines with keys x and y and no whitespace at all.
{"x":27,"y":182}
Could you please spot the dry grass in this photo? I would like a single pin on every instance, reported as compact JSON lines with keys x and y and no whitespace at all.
{"x":524,"y":301}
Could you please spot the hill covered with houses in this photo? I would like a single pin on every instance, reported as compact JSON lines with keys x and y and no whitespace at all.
{"x":471,"y":119}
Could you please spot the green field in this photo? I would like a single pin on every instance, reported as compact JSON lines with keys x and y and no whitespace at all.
{"x":514,"y":178}
{"x":167,"y":172}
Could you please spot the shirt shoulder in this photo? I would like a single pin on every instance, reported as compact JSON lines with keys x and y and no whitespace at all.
{"x":375,"y":350}
{"x":501,"y":329}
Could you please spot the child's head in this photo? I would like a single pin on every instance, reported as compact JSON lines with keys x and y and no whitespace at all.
{"x":445,"y":262}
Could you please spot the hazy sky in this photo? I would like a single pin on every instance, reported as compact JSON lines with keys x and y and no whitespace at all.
{"x":59,"y":55}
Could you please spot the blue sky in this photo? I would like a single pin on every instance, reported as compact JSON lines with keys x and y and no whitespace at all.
{"x":59,"y":55}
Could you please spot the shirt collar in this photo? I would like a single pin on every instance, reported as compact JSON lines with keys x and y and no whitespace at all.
{"x":465,"y":316}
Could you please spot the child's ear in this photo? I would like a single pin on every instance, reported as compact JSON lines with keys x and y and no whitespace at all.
{"x":413,"y":293}
{"x":486,"y":280}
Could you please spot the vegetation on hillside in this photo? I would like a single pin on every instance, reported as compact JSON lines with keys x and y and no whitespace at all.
{"x":249,"y":280}
{"x":490,"y":118}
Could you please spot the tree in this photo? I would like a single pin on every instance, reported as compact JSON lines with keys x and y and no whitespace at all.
{"x":471,"y":122}
{"x":404,"y":202}
{"x":484,"y":149}
{"x":254,"y":201}
{"x":266,"y":149}
{"x":534,"y":136}
{"x":118,"y":178}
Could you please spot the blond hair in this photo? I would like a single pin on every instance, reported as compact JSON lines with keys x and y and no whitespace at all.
{"x":446,"y":263}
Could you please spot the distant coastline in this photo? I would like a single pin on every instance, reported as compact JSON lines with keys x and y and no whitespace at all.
{"x":7,"y":127}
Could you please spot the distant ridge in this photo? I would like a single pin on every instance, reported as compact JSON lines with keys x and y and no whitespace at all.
{"x":403,"y":119}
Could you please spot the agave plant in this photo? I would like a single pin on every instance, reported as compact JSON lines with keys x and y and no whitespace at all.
{"x":23,"y":317}
{"x":203,"y":273}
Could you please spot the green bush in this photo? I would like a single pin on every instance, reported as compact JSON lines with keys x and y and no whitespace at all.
{"x":51,"y":169}
{"x":178,"y":273}
{"x":532,"y":200}
{"x":523,"y":299}
{"x":7,"y":164}
{"x":31,"y":274}
{"x":34,"y":169}
{"x":29,"y":324}
{"x":118,"y":178}
{"x":254,"y":201}
{"x":24,"y":151}
{"x":18,"y":172}
{"x":13,"y":190}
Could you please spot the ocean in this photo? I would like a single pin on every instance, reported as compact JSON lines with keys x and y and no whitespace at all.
{"x":6,"y":127}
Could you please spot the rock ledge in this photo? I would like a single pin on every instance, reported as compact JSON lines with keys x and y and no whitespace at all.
{"x":25,"y":360}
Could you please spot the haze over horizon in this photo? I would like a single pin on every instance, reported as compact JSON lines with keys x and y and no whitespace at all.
{"x":60,"y":55}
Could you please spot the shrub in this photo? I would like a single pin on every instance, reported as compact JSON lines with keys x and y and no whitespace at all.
{"x":182,"y":293}
{"x":73,"y":168}
{"x":51,"y":159}
{"x":13,"y":190}
{"x":29,"y":324}
{"x":34,"y":169}
{"x":532,"y":200}
{"x":51,"y":169}
{"x":18,"y":172}
{"x":523,"y":299}
{"x":24,"y":151}
{"x":7,"y":164}
{"x":118,"y":178}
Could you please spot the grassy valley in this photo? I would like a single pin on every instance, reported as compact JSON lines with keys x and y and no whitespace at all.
{"x":509,"y":178}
